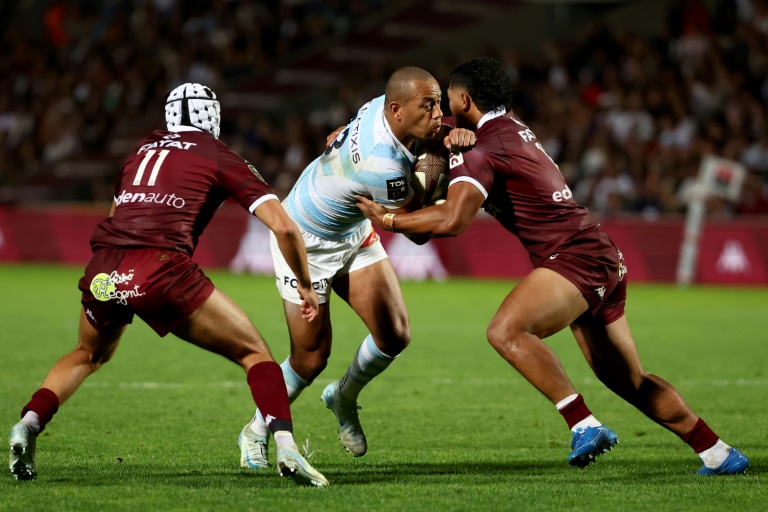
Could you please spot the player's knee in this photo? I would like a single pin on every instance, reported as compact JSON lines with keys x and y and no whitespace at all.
{"x":397,"y":339}
{"x":496,"y":336}
{"x":95,"y":359}
{"x":504,"y":335}
{"x":634,"y":386}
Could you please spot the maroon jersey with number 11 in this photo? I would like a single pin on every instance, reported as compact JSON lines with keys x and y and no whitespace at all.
{"x":170,"y":187}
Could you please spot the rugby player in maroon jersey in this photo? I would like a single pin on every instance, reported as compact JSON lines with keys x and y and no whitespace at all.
{"x":578,"y":279}
{"x":166,"y":193}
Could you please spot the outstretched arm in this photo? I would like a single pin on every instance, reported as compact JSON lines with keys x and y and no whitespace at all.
{"x":448,"y":219}
{"x":291,"y":244}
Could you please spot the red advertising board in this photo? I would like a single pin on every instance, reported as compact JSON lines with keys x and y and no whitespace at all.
{"x":732,"y":252}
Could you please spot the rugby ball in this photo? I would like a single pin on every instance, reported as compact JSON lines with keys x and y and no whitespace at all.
{"x":430,"y":176}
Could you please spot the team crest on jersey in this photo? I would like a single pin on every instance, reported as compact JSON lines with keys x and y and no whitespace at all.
{"x":397,"y":189}
{"x":255,"y":172}
{"x":456,"y":160}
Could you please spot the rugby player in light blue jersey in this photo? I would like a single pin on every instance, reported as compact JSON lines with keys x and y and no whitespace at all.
{"x":371,"y":157}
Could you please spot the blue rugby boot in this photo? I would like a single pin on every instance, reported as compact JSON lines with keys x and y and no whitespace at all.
{"x":588,"y":443}
{"x":736,"y":463}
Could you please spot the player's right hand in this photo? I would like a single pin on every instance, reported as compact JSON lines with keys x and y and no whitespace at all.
{"x":371,"y":209}
{"x":459,"y":139}
{"x":310,"y":302}
{"x":332,"y":137}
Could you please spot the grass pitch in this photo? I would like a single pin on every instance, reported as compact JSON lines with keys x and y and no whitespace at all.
{"x":450,"y":425}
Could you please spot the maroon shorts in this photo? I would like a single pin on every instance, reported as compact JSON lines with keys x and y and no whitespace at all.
{"x":163,"y":287}
{"x":600,"y":278}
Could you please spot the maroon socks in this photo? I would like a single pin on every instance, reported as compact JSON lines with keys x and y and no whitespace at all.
{"x":701,"y":437}
{"x":268,"y":390}
{"x":575,"y":411}
{"x":44,"y":403}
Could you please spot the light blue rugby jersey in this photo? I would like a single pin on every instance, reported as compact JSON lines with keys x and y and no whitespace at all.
{"x":366,"y":159}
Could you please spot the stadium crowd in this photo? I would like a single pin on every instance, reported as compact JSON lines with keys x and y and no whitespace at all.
{"x":627,"y":118}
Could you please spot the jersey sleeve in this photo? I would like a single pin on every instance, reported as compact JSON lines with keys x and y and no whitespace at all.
{"x":242,"y":181}
{"x":472,"y":166}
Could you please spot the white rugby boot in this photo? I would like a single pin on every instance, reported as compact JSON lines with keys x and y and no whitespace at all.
{"x":22,"y":452}
{"x":254,"y":448}
{"x":291,"y":464}
{"x":350,"y":431}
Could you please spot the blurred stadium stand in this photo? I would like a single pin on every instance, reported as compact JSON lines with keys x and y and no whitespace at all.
{"x":626,"y":96}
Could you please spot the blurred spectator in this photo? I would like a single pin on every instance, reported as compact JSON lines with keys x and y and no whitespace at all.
{"x":627,"y":118}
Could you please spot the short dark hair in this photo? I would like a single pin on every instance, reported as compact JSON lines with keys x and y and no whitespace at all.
{"x":486,"y":81}
{"x":400,"y":84}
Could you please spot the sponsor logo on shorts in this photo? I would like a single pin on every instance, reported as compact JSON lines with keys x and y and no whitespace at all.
{"x":622,"y":268}
{"x":104,"y":287}
{"x":294,"y":283}
{"x":600,"y":291}
{"x":151,"y":197}
{"x":554,"y":256}
{"x":397,"y":189}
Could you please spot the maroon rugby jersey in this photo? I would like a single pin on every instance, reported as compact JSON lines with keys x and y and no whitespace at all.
{"x":169,"y":188}
{"x":526,"y":192}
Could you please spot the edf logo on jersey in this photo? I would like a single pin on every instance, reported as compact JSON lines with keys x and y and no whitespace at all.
{"x":562,"y":195}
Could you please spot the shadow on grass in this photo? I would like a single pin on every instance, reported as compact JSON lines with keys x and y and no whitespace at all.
{"x":629,"y":472}
{"x":346,"y":474}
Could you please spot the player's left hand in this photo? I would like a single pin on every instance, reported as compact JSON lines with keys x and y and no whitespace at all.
{"x":371,"y":209}
{"x":459,"y":139}
{"x":309,"y":302}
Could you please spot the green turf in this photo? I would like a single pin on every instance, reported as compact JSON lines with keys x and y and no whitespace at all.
{"x":450,"y":426}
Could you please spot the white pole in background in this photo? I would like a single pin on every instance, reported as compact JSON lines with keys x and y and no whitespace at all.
{"x":717,"y":177}
{"x":689,"y":252}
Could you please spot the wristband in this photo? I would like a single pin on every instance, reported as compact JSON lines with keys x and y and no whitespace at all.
{"x":388,"y":222}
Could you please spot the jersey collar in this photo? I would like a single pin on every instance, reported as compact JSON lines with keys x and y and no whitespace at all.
{"x":183,"y":128}
{"x":493,"y":114}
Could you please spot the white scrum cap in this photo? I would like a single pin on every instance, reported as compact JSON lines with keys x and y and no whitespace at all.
{"x":193,"y":105}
